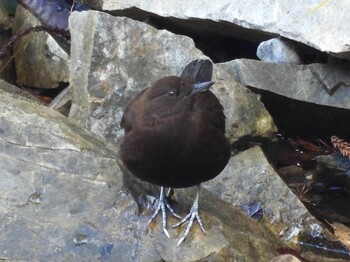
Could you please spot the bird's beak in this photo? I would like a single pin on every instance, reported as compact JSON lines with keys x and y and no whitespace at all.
{"x":200,"y":87}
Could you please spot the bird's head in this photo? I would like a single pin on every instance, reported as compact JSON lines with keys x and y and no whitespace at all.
{"x":172,"y":94}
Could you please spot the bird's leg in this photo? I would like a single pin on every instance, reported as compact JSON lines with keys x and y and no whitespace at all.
{"x":162,"y":205}
{"x":191,"y":216}
{"x":170,"y":192}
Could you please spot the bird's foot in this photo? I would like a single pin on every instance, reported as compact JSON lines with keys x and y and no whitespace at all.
{"x":161,"y":207}
{"x":190,"y":218}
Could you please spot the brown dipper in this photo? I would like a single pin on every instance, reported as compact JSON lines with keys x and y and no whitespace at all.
{"x":175,"y":137}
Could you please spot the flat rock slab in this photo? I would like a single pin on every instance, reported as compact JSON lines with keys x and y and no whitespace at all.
{"x":316,"y":83}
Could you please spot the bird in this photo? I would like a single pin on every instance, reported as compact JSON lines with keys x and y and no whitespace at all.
{"x":174,"y":137}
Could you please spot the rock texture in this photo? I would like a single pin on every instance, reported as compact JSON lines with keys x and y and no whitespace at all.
{"x":324,"y":84}
{"x":245,"y":114}
{"x":108,"y":69}
{"x":63,"y":197}
{"x":264,"y":185}
{"x":64,"y":194}
{"x":278,"y":51}
{"x":115,"y":58}
{"x":312,"y":22}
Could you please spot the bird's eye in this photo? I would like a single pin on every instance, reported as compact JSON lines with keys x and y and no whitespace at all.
{"x":171,"y":93}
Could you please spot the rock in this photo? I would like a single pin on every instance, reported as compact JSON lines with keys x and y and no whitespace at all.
{"x":110,"y":69}
{"x":285,"y":258}
{"x":245,"y":114}
{"x":282,"y":209}
{"x":300,"y":82}
{"x":5,"y":86}
{"x":63,"y":196}
{"x":332,"y":76}
{"x":278,"y":51}
{"x":312,"y":23}
{"x":58,"y":181}
{"x":39,"y":60}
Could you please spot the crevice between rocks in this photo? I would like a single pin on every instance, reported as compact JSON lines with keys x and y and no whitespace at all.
{"x":297,"y":118}
{"x":220,"y":40}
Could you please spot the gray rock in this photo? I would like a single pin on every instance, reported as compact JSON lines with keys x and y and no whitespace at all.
{"x":245,"y":114}
{"x":64,"y":197}
{"x":264,"y":185}
{"x":5,"y":86}
{"x":59,"y":183}
{"x":332,"y":76}
{"x":115,"y":61}
{"x":316,"y":83}
{"x":278,"y":50}
{"x":314,"y":23}
{"x":108,"y":70}
{"x":39,"y":60}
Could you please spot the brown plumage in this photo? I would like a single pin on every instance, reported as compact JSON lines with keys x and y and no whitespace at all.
{"x":174,"y":140}
{"x":174,"y":137}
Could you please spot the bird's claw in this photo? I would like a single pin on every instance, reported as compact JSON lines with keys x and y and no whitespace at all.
{"x":191,"y":216}
{"x":162,"y":206}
